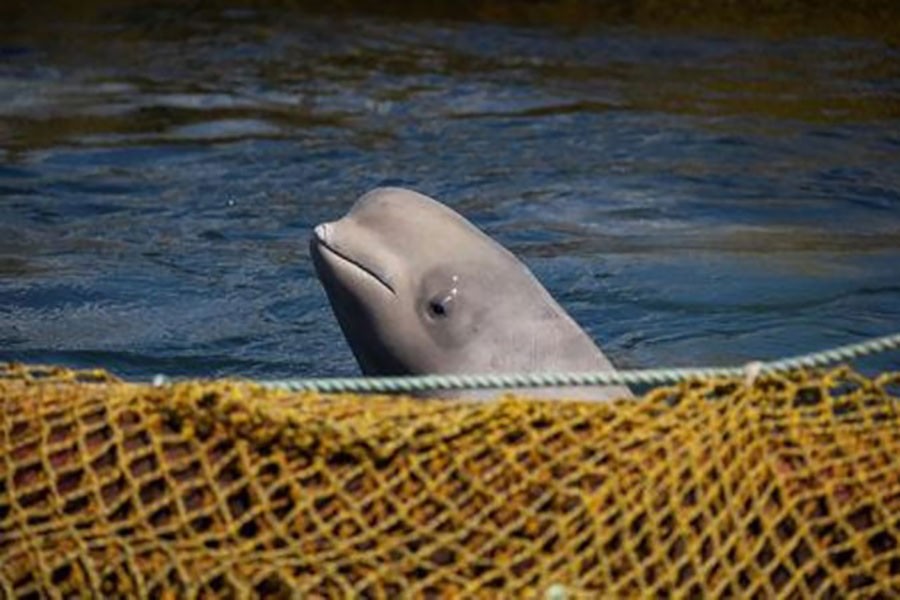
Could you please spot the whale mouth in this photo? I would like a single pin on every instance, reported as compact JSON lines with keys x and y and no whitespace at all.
{"x":336,"y":259}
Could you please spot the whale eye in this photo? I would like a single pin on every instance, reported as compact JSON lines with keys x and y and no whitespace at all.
{"x":440,"y":297}
{"x":441,"y":306}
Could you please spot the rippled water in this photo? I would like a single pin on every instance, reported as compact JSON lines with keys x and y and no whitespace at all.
{"x":693,"y":198}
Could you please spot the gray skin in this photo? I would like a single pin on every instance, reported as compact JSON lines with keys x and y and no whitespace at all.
{"x":417,"y":289}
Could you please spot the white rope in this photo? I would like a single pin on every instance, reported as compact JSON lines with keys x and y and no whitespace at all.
{"x":530,"y":380}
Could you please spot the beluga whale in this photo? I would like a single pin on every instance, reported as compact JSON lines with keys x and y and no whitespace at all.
{"x":417,"y":289}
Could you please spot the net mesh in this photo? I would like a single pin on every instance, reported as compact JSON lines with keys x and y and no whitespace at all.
{"x":789,"y":486}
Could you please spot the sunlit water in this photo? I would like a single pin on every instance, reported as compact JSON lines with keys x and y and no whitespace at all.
{"x":691,"y":199}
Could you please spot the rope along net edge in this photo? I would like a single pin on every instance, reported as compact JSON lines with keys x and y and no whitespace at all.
{"x":535,"y":380}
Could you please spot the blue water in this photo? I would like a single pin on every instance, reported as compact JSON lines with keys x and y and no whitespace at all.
{"x":692,"y":198}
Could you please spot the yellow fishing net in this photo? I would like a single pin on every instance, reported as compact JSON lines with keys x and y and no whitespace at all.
{"x":789,"y":487}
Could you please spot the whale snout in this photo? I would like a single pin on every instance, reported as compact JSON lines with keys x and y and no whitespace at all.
{"x":321,"y":233}
{"x":339,"y":257}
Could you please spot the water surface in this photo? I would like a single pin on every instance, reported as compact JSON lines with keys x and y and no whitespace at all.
{"x":692,"y":196}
